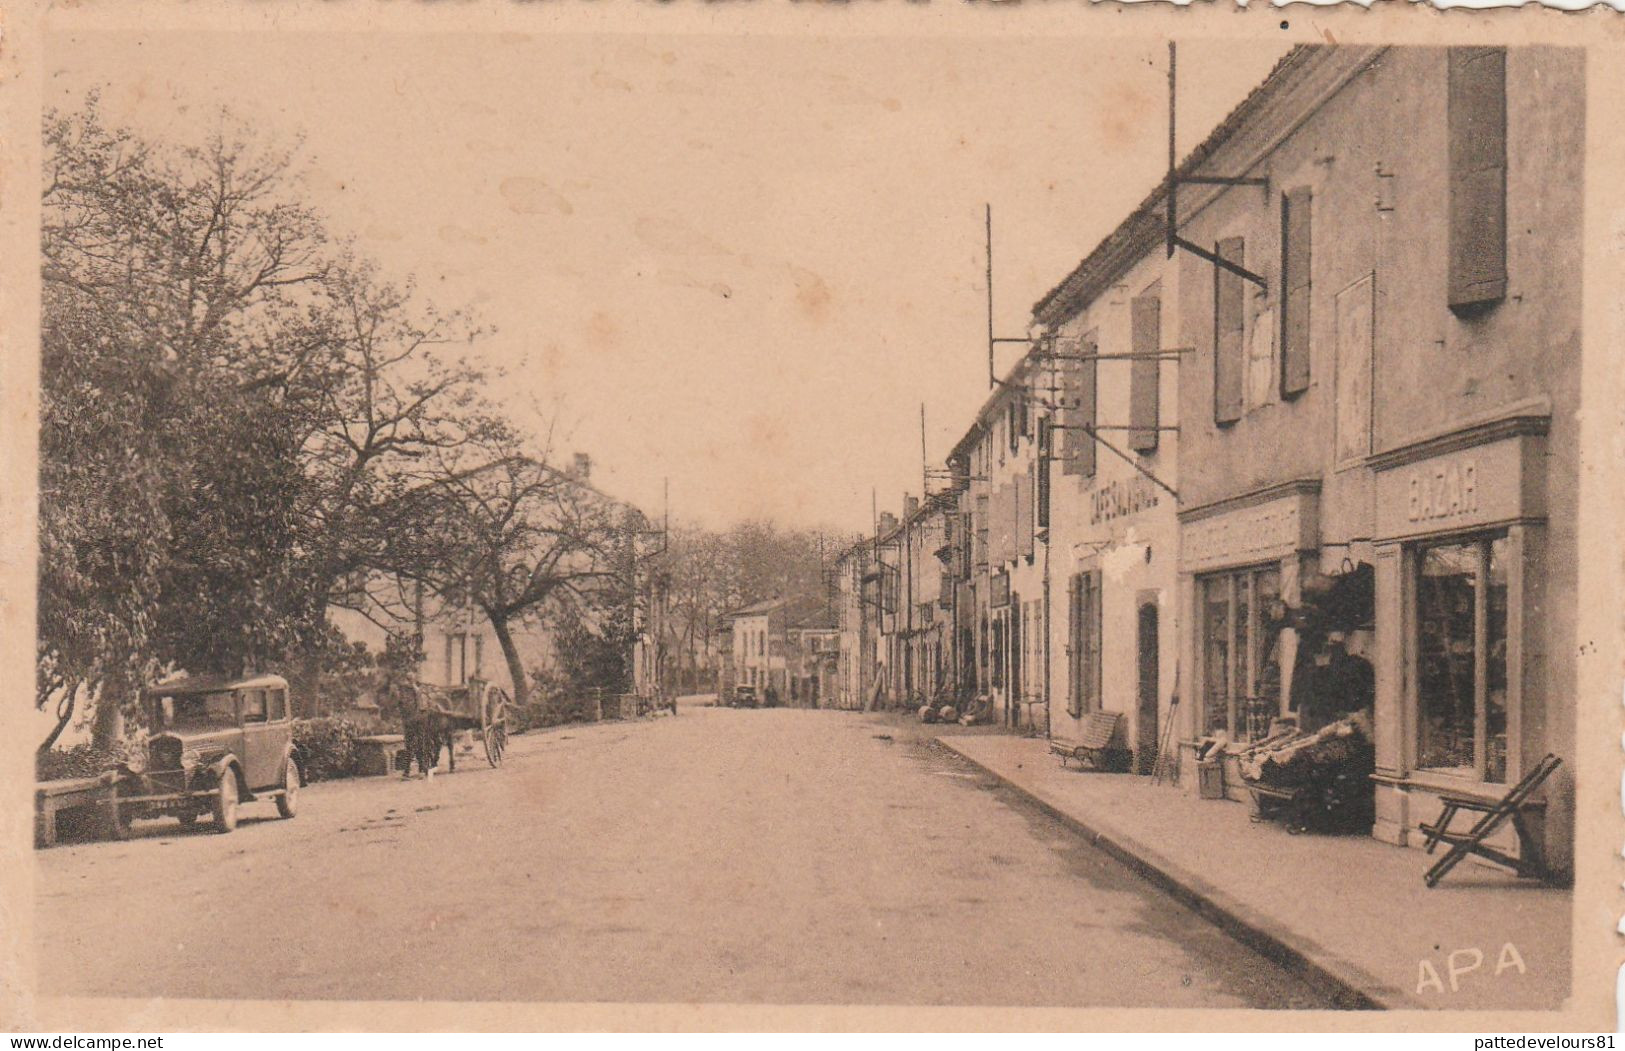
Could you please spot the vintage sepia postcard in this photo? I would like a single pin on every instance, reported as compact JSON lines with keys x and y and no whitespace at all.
{"x":809,"y":516}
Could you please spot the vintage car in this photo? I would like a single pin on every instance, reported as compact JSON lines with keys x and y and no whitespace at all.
{"x":213,"y":743}
{"x":745,"y":697}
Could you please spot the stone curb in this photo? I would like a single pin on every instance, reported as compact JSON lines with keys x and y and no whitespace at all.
{"x":1352,"y":986}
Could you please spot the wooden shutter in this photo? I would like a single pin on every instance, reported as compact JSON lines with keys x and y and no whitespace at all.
{"x":1477,"y":120}
{"x":1074,"y":648}
{"x":1145,"y":318}
{"x":1004,"y":526}
{"x":1295,"y":271}
{"x":1046,"y":439}
{"x":1086,"y":404}
{"x":1229,"y":302}
{"x":1024,"y":513}
{"x":1093,"y":619}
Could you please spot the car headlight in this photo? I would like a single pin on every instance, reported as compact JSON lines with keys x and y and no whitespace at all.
{"x":136,"y":761}
{"x":191,"y":759}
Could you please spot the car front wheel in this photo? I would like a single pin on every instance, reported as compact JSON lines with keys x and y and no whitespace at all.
{"x":287,"y":804}
{"x":225,"y":802}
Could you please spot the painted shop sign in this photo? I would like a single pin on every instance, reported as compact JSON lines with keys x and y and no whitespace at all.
{"x":1497,"y":482}
{"x":1448,"y":490}
{"x":1121,"y":496}
{"x":1265,"y":531}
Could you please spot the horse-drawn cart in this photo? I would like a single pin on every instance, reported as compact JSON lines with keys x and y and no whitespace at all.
{"x":476,"y":705}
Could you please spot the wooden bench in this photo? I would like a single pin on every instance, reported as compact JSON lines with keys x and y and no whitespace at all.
{"x":376,"y":754}
{"x":77,"y":793}
{"x":1094,"y":744}
{"x":1515,"y":806}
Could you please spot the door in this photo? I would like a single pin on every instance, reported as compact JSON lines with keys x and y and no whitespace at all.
{"x":263,"y":740}
{"x":1145,"y":737}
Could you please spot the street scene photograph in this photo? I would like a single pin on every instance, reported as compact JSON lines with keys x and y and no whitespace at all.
{"x":941,"y":521}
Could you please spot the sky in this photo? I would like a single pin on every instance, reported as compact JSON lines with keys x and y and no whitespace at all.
{"x":737,"y":266}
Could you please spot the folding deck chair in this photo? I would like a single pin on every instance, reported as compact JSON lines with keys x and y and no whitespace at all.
{"x":1527,"y":863}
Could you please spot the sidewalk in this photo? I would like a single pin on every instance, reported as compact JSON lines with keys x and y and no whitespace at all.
{"x":1348,"y":910}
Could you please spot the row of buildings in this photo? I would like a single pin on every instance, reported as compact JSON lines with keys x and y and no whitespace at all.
{"x":780,"y":645}
{"x":1331,"y":364}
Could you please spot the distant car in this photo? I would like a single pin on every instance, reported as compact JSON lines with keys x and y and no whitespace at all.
{"x":213,"y":744}
{"x":745,"y":697}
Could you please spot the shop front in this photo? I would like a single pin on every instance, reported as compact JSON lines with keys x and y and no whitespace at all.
{"x":1462,"y":669}
{"x":1241,"y":567}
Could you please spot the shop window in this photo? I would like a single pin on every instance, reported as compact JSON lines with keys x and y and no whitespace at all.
{"x":1083,"y":643}
{"x":1477,"y":132}
{"x":1145,"y":320}
{"x":1461,"y":653}
{"x":1295,"y":269}
{"x":1241,"y":676}
{"x":1229,"y":330}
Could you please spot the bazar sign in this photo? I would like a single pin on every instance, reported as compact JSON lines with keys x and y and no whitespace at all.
{"x":1470,"y":487}
{"x":1119,"y":497}
{"x":1447,"y":491}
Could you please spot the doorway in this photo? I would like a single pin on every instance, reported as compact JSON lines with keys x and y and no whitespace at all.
{"x":1145,"y":736}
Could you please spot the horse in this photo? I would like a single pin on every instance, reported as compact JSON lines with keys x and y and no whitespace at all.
{"x":426,"y":733}
{"x":426,"y":730}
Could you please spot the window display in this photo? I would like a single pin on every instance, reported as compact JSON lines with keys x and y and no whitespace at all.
{"x":1461,"y":654}
{"x":1241,"y":681}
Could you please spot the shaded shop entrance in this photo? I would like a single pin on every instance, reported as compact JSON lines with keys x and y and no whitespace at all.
{"x":1145,"y":735}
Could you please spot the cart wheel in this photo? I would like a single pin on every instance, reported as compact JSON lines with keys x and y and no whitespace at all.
{"x":287,"y":804}
{"x":225,"y":803}
{"x":496,"y":739}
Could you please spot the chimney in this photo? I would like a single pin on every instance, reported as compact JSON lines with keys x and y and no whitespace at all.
{"x":888,"y":522}
{"x":911,"y":507}
{"x":583,"y":467}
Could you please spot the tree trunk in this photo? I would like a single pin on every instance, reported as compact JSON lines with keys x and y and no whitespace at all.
{"x":510,"y":653}
{"x":107,"y":726}
{"x":64,"y":714}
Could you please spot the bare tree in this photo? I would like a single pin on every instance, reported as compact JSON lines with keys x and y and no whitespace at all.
{"x":511,"y":535}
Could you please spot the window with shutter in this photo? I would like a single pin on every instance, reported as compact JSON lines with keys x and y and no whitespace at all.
{"x":1145,"y":319}
{"x":1295,"y":270}
{"x":1084,"y":643}
{"x":1076,"y":378}
{"x":1229,"y":302}
{"x":1024,"y":513}
{"x":1477,"y":132}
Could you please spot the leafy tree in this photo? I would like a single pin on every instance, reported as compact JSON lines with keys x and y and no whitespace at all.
{"x":234,"y":409}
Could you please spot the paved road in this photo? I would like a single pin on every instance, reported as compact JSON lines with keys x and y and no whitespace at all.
{"x":720,"y":856}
